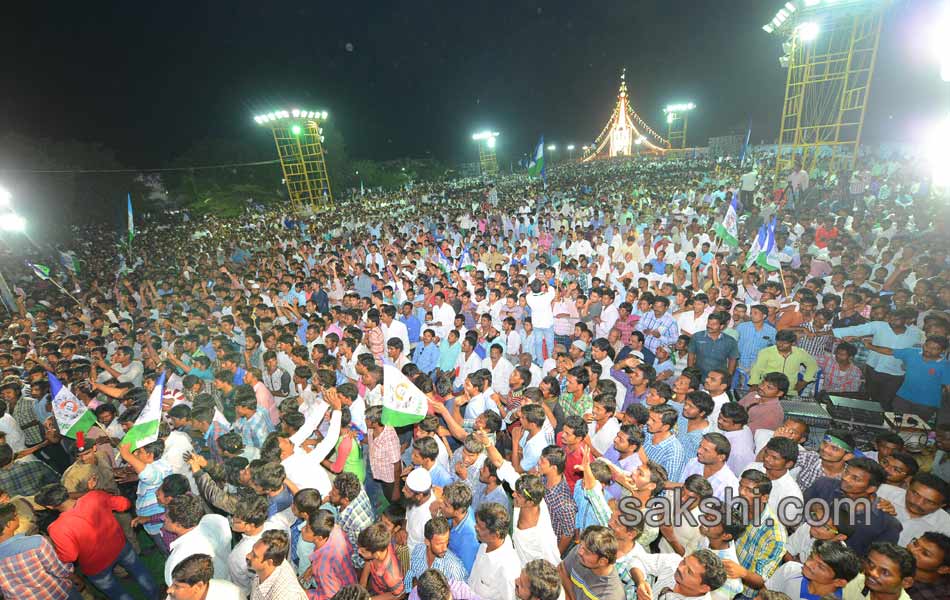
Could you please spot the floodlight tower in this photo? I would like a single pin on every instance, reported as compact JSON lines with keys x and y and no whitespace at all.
{"x":487,"y":162}
{"x":298,"y":136}
{"x":677,"y":119}
{"x":829,"y":51}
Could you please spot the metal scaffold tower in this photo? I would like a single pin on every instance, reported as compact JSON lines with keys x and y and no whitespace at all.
{"x":298,"y":136}
{"x":830,"y":49}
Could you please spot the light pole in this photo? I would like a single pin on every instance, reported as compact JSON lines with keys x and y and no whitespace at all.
{"x":487,"y":162}
{"x":678,"y":113}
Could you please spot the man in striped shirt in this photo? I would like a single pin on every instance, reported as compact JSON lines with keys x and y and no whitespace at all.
{"x":434,"y":554}
{"x":659,"y":327}
{"x":29,"y":566}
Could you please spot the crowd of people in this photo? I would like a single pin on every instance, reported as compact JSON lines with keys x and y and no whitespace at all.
{"x":588,"y":345}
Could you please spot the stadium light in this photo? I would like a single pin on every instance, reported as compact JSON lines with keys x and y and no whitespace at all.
{"x":485,"y":135}
{"x":5,"y":196}
{"x":295,"y":113}
{"x":807,"y":31}
{"x":678,"y":108}
{"x":295,"y":129}
{"x":12,"y":222}
{"x":552,"y":147}
{"x":639,"y":140}
{"x":570,"y":147}
{"x":491,"y":142}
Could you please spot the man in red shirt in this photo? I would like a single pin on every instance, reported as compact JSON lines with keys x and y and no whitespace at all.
{"x":87,"y":533}
{"x":572,"y":435}
{"x":826,"y":232}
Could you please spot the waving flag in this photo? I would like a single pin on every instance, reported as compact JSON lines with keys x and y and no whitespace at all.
{"x":728,"y":230}
{"x":757,"y":244}
{"x":403,"y":402}
{"x":536,"y":166}
{"x":131,"y":221}
{"x":145,"y":429}
{"x":72,"y":416}
{"x":69,"y":262}
{"x":768,"y":254}
{"x":41,"y":271}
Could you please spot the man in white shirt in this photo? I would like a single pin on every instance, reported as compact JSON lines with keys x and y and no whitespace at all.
{"x":496,"y":565}
{"x":603,"y":426}
{"x":198,"y":534}
{"x":542,"y":318}
{"x":392,"y":327}
{"x":192,"y":578}
{"x":250,"y":520}
{"x":919,"y":508}
{"x":716,"y":385}
{"x":823,"y":574}
{"x":710,"y":462}
{"x":418,"y":494}
{"x":443,"y":317}
{"x":703,"y":573}
{"x":779,"y":455}
{"x":467,"y":363}
{"x":500,"y":368}
{"x":733,"y":423}
{"x":608,"y":315}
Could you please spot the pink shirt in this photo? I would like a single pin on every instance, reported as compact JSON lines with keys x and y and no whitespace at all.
{"x":266,"y":401}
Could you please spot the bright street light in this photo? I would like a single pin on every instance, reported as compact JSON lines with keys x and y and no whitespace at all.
{"x":12,"y":222}
{"x":807,"y":31}
{"x":552,"y":147}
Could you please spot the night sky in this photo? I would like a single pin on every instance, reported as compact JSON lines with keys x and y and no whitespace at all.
{"x":417,"y":78}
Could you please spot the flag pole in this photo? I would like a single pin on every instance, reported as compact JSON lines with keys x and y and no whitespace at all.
{"x":781,"y":275}
{"x":63,"y":290}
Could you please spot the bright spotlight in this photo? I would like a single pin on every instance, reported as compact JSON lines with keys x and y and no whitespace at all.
{"x":323,"y":115}
{"x":12,"y":222}
{"x":552,"y":147}
{"x":295,"y":112}
{"x":491,"y":142}
{"x":5,"y":197}
{"x":295,"y":129}
{"x":938,"y":153}
{"x":807,"y":31}
{"x":570,"y":147}
{"x":669,"y":117}
{"x":638,"y":141}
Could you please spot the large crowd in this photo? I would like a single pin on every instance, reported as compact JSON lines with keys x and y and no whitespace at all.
{"x":589,"y":346}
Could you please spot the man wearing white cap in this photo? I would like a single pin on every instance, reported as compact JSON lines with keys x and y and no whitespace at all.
{"x":418,"y":494}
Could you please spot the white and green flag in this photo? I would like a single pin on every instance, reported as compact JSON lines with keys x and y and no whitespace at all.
{"x":145,"y":429}
{"x":728,"y":229}
{"x":536,"y":166}
{"x":72,"y":416}
{"x":768,"y":254}
{"x":403,"y":402}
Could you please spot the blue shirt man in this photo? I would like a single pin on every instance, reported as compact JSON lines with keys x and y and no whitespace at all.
{"x":413,"y":327}
{"x":426,"y":354}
